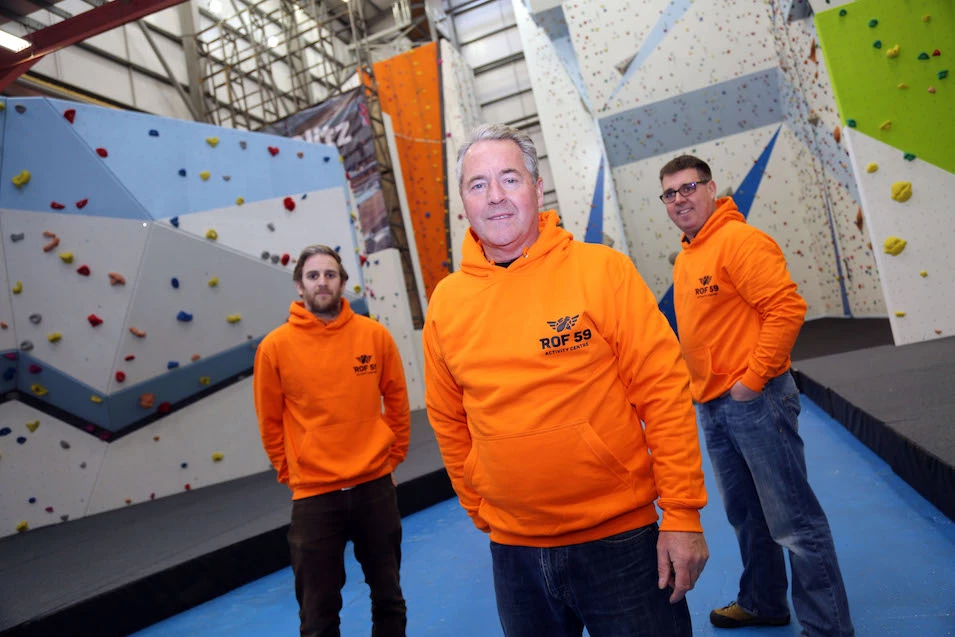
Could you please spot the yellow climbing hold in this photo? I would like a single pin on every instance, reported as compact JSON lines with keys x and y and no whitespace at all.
{"x":205,"y":174}
{"x":239,"y":201}
{"x":886,"y":125}
{"x":39,"y":389}
{"x":893,"y":52}
{"x":893,"y":246}
{"x":212,"y":141}
{"x":204,"y":380}
{"x":211,"y":234}
{"x":923,"y":274}
{"x":872,"y":167}
{"x":96,"y":399}
{"x":22,"y":526}
{"x":903,"y":85}
{"x":213,"y":282}
{"x":18,"y":287}
{"x":357,"y":289}
{"x":22,"y":179}
{"x":32,"y":425}
{"x":234,"y":318}
{"x":54,"y":337}
{"x":926,"y":18}
{"x":217,"y":457}
{"x":3,"y":106}
{"x":66,"y":257}
{"x":900,"y":314}
{"x":901,"y":191}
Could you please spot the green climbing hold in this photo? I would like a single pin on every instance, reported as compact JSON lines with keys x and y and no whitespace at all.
{"x":877,"y":44}
{"x":923,"y":55}
{"x":873,"y":22}
{"x":851,"y":123}
{"x":942,"y":74}
{"x":842,"y":12}
{"x":908,"y":156}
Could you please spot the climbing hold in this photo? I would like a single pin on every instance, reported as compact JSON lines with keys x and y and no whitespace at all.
{"x":64,"y":517}
{"x":34,"y":368}
{"x":239,"y":201}
{"x":936,"y":53}
{"x":265,"y":254}
{"x":900,"y":314}
{"x":211,"y":234}
{"x":275,"y":258}
{"x":17,"y":287}
{"x":54,"y":337}
{"x":115,"y":278}
{"x":289,"y":204}
{"x":9,"y":373}
{"x":285,"y":258}
{"x":886,"y":125}
{"x":146,"y":400}
{"x":82,"y":203}
{"x":195,"y":357}
{"x":300,"y":154}
{"x":836,"y":135}
{"x":357,"y":289}
{"x":21,"y":179}
{"x":26,"y":346}
{"x":873,"y":23}
{"x":204,"y":380}
{"x":94,"y":320}
{"x":183,"y":465}
{"x":923,"y":274}
{"x":102,"y":152}
{"x":129,"y":501}
{"x":903,"y":85}
{"x":156,"y":438}
{"x":21,"y":440}
{"x":22,"y":526}
{"x":174,"y":282}
{"x":326,"y":159}
{"x":153,"y":132}
{"x":120,"y":377}
{"x":212,"y":141}
{"x":183,"y":317}
{"x":871,"y":167}
{"x":242,"y":144}
{"x":164,"y":408}
{"x":5,"y":431}
{"x":96,"y":399}
{"x":926,"y":18}
{"x":52,"y":244}
{"x":3,"y":325}
{"x":923,"y":55}
{"x":56,"y":205}
{"x":851,"y":123}
{"x":362,"y":259}
{"x":137,"y":332}
{"x":213,"y":282}
{"x":226,"y":178}
{"x":35,"y":319}
{"x":908,"y":156}
{"x":83,"y":270}
{"x":182,"y":172}
{"x":270,"y":226}
{"x":893,"y":52}
{"x":273,"y":150}
{"x":20,"y":108}
{"x":32,"y":425}
{"x":877,"y":44}
{"x":187,"y":487}
{"x":234,"y":318}
{"x":83,"y":465}
{"x":39,"y":390}
{"x":893,"y":246}
{"x":204,"y":175}
{"x":842,"y":12}
{"x":901,"y":191}
{"x":931,"y":90}
{"x":338,"y":248}
{"x":64,"y":444}
{"x":172,"y":364}
{"x":18,"y":236}
{"x":217,"y":457}
{"x":70,"y":114}
{"x":174,"y":221}
{"x":943,"y":74}
{"x":130,"y":357}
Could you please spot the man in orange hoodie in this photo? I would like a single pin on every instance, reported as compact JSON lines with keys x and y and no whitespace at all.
{"x":562,"y":410}
{"x":738,"y":315}
{"x":319,"y":383}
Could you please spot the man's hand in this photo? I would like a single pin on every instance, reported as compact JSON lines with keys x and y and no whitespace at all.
{"x":742,"y":393}
{"x":393,"y":481}
{"x":681,"y":557}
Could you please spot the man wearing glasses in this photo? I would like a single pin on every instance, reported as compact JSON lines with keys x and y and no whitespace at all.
{"x":738,"y":315}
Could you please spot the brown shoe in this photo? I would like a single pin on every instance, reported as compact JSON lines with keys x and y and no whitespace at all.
{"x":732,"y":616}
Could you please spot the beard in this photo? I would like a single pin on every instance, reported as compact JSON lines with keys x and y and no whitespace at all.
{"x":315,"y":305}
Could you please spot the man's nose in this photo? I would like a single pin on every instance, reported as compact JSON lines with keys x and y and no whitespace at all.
{"x":494,"y":191}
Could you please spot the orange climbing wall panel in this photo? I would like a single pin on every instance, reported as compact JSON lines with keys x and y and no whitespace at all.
{"x":410,"y":92}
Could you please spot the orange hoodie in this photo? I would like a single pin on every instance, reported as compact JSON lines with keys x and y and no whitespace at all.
{"x":537,"y":379}
{"x":737,"y":308}
{"x":318,"y":393}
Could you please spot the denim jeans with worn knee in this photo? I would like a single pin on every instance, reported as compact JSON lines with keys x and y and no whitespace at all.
{"x":608,"y":585}
{"x":760,"y":470}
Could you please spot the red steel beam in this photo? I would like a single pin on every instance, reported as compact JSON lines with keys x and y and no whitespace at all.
{"x":76,"y":29}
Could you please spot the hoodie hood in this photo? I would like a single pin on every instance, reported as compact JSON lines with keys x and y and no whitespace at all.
{"x":551,"y":238}
{"x":300,"y":317}
{"x":725,"y":212}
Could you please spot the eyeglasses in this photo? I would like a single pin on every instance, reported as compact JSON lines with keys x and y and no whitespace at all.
{"x":686,"y":190}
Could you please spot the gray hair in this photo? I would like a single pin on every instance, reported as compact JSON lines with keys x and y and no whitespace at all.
{"x":501,"y":132}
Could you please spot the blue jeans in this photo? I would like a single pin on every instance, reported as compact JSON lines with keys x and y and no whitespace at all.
{"x":760,"y":470}
{"x":608,"y":585}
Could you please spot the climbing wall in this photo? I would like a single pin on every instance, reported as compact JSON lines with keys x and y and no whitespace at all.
{"x":145,"y":259}
{"x":889,"y":68}
{"x":410,"y":93}
{"x":462,"y":113}
{"x":582,"y":179}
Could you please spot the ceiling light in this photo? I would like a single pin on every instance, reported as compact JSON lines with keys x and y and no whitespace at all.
{"x":12,"y":42}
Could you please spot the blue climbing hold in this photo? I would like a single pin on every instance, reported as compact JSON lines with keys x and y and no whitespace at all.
{"x":10,"y":373}
{"x":175,"y":282}
{"x":153,"y":133}
{"x":172,"y":364}
{"x":175,"y":222}
{"x":21,"y":440}
{"x":32,"y":500}
{"x":185,"y":317}
{"x":184,"y":465}
{"x":182,"y":172}
{"x":305,"y":196}
{"x":427,"y":215}
{"x":326,"y":159}
{"x":338,"y":248}
{"x":5,"y":431}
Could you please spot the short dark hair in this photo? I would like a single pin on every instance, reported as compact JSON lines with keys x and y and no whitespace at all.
{"x":686,"y":161}
{"x":311,"y":251}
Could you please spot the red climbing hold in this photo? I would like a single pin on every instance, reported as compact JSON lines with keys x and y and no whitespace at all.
{"x":164,"y":408}
{"x":120,"y":377}
{"x":56,"y":205}
{"x":84,"y":270}
{"x":289,"y":204}
{"x":285,"y":258}
{"x":102,"y":152}
{"x":936,"y":53}
{"x":49,"y":509}
{"x":94,"y":320}
{"x":362,"y":259}
{"x":273,"y":150}
{"x":82,"y":203}
{"x":35,"y":369}
{"x":187,"y":487}
{"x":130,"y":357}
{"x":70,"y":114}
{"x":152,"y":496}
